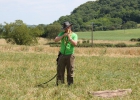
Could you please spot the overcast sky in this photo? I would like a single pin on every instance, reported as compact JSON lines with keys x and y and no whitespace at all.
{"x":34,"y":12}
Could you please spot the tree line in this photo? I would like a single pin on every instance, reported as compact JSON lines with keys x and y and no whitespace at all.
{"x":105,"y":14}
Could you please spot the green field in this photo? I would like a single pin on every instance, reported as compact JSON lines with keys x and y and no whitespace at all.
{"x":111,"y":35}
{"x":20,"y":72}
{"x":96,"y":69}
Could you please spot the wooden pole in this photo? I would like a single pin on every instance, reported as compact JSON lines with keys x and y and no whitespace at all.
{"x":92,"y":35}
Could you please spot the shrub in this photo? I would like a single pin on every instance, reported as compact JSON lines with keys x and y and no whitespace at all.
{"x":51,"y":31}
{"x":53,"y":44}
{"x":19,"y":33}
{"x":133,"y":39}
{"x":138,"y":44}
{"x":84,"y":41}
{"x":84,"y":45}
{"x":103,"y":45}
{"x":88,"y":41}
{"x":138,"y":39}
{"x":120,"y":45}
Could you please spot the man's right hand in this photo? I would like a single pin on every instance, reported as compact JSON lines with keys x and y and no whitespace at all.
{"x":66,"y":34}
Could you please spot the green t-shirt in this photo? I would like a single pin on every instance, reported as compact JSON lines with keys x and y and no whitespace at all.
{"x":66,"y":46}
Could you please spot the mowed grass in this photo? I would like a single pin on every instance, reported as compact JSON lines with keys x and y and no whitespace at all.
{"x":111,"y":35}
{"x":20,"y":72}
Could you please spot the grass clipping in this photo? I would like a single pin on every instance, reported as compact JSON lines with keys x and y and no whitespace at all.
{"x":111,"y":93}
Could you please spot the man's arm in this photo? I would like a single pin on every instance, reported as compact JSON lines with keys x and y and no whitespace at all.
{"x":74,"y":42}
{"x":58,"y":38}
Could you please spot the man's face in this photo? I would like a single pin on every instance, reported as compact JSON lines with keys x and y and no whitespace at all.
{"x":67,"y":28}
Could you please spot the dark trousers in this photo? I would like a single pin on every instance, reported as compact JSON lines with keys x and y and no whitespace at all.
{"x":65,"y":62}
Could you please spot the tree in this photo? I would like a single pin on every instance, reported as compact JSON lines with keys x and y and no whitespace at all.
{"x":130,"y":24}
{"x":18,"y":33}
{"x":126,"y":10}
{"x":52,"y":30}
{"x":1,"y":29}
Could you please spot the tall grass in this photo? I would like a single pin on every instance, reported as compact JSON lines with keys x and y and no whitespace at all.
{"x":20,"y":72}
{"x":111,"y":35}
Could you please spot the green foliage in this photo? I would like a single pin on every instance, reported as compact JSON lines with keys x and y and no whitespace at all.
{"x":101,"y":45}
{"x":138,"y":39}
{"x":1,"y":30}
{"x":86,"y":44}
{"x":54,"y":44}
{"x":138,"y":44}
{"x":121,"y":45}
{"x":52,"y":30}
{"x":130,"y":24}
{"x":135,"y":39}
{"x":107,"y":14}
{"x":106,"y":23}
{"x":19,"y":33}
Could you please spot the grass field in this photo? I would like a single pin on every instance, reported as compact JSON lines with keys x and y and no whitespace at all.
{"x":20,"y":72}
{"x":24,"y":67}
{"x":111,"y":35}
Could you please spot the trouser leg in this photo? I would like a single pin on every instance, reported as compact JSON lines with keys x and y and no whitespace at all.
{"x":70,"y":70}
{"x":60,"y":70}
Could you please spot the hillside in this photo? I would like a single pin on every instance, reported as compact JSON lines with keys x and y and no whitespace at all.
{"x":112,"y":12}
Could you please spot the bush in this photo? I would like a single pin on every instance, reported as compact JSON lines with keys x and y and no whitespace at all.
{"x":138,"y":44}
{"x":84,"y":45}
{"x":130,"y":24}
{"x":19,"y":33}
{"x":95,"y":45}
{"x":134,"y":39}
{"x":51,"y":31}
{"x":103,"y":45}
{"x":51,"y":43}
{"x":120,"y":45}
{"x":54,"y":44}
{"x":84,"y":41}
{"x":138,"y":39}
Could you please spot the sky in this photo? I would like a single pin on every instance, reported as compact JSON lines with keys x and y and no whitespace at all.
{"x":34,"y":12}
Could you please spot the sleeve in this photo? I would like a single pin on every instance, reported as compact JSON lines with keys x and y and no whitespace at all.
{"x":75,"y":37}
{"x":60,"y":34}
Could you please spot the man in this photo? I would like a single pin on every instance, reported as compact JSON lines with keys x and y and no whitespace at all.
{"x":66,"y":59}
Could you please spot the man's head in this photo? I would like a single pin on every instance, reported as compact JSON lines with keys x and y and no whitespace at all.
{"x":66,"y":25}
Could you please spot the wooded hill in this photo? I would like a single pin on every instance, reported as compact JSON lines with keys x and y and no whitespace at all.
{"x":105,"y":15}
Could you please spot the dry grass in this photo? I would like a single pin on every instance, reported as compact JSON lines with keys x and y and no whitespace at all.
{"x":43,"y":48}
{"x":115,"y":52}
{"x":3,"y":42}
{"x":112,"y":42}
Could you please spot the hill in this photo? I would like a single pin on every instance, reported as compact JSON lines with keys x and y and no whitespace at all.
{"x":105,"y":14}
